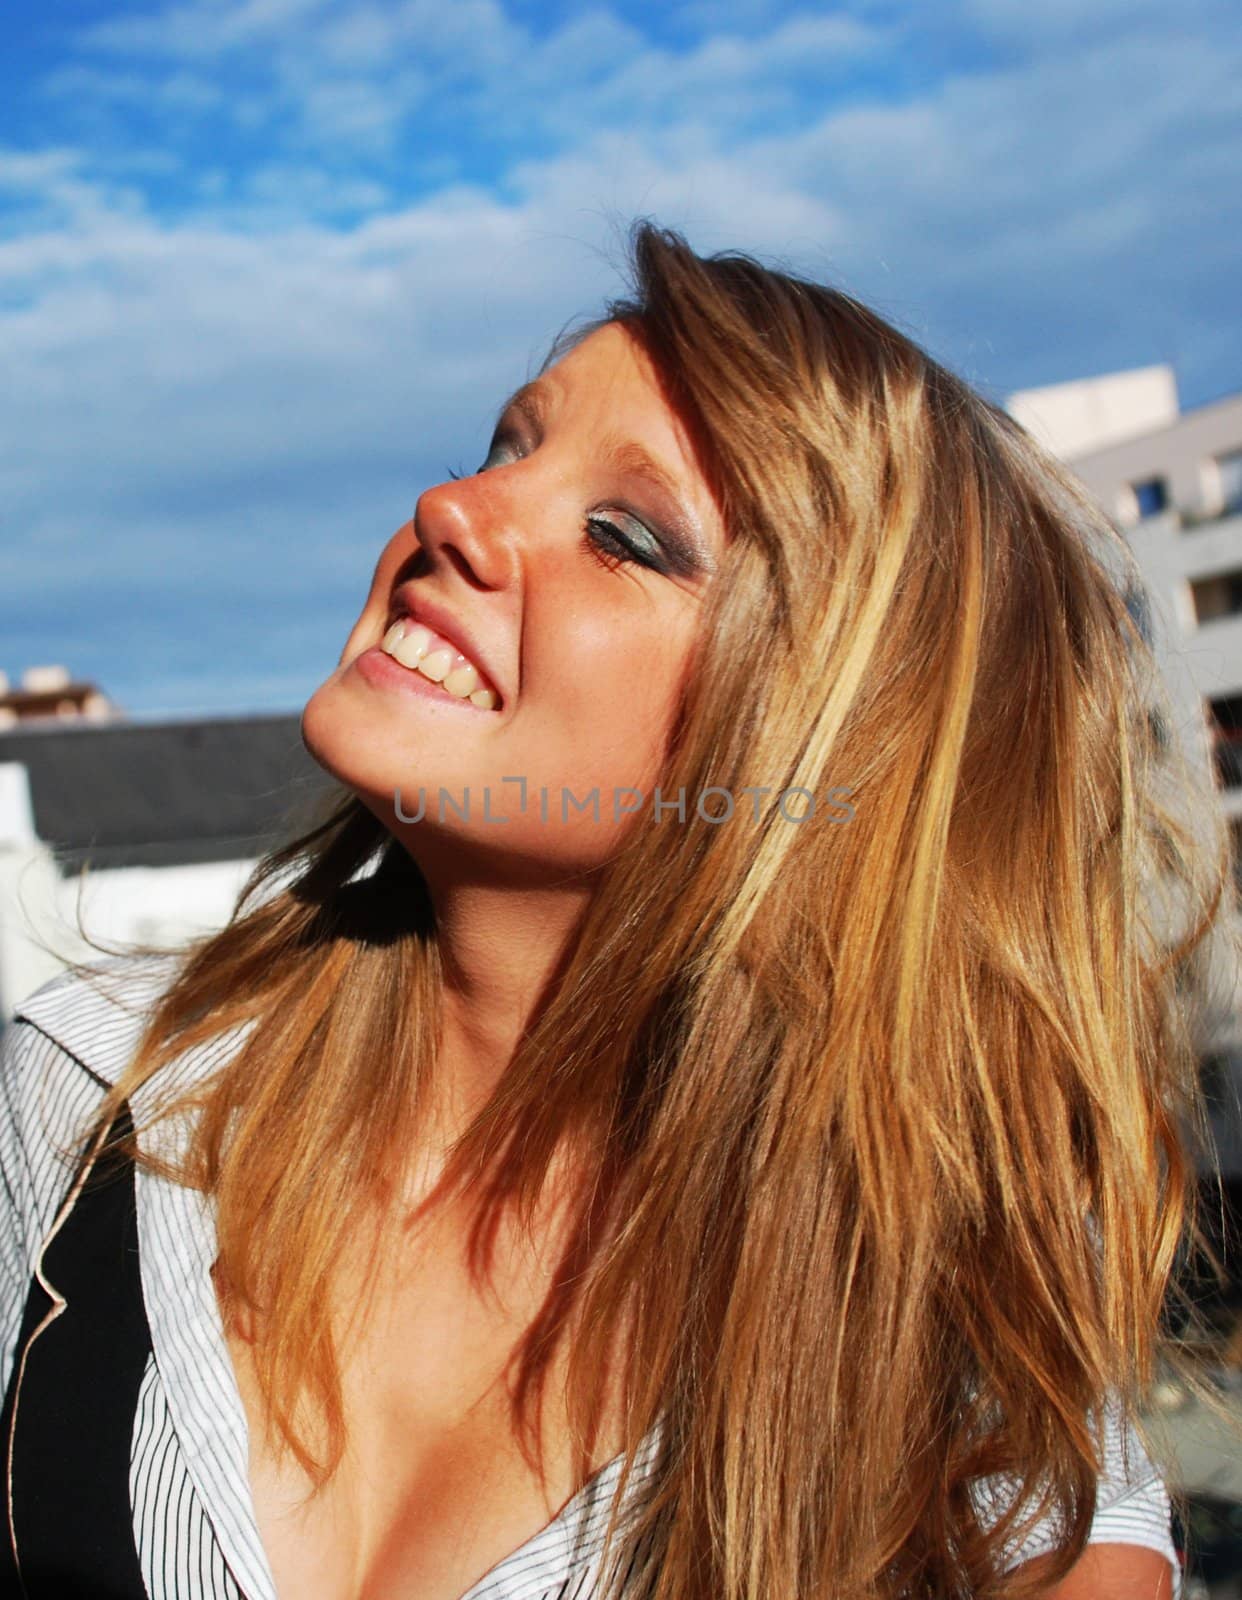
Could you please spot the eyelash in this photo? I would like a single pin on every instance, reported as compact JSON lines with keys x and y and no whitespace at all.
{"x":614,"y":551}
{"x":607,"y":543}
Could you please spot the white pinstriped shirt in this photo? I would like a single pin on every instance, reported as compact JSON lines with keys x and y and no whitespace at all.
{"x":193,"y":1517}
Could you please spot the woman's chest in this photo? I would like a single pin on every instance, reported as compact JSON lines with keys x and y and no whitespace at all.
{"x":438,"y":1482}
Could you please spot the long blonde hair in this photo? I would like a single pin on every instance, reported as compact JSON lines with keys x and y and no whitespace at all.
{"x":901,"y":1104}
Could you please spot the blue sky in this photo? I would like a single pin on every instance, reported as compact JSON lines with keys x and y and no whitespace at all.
{"x":267,"y":266}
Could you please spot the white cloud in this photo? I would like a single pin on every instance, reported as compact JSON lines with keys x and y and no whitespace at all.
{"x":200,"y":29}
{"x":1055,"y":21}
{"x":727,"y":83}
{"x":240,"y":396}
{"x":175,"y":93}
{"x":358,"y":75}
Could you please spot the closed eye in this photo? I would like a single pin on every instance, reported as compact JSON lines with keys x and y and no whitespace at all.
{"x":494,"y":458}
{"x":500,"y":453}
{"x":617,"y":543}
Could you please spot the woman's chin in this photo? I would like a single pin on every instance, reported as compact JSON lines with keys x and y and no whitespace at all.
{"x":330,"y":734}
{"x":353,"y":743}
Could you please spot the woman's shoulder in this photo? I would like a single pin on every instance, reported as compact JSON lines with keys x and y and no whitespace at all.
{"x":94,"y":1014}
{"x":66,"y":1045}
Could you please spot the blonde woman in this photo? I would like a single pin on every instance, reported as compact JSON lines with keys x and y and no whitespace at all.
{"x":704,"y":1116}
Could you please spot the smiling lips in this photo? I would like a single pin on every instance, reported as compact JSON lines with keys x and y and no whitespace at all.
{"x":416,"y":646}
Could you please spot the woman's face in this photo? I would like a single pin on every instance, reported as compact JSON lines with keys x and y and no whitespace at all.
{"x":570,"y":571}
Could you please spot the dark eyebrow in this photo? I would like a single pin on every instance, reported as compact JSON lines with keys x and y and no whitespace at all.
{"x":532,"y":400}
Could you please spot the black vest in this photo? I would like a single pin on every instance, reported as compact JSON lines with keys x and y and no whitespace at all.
{"x":68,"y":1413}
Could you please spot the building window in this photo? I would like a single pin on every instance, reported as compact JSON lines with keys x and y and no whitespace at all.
{"x":1225,"y":721}
{"x":1217,"y":596}
{"x":1151,"y":496}
{"x":1229,"y":468}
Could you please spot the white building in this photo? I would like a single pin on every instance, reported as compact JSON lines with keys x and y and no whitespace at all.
{"x":1076,"y":419}
{"x":142,"y":831}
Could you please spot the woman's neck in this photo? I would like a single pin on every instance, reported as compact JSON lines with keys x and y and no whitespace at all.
{"x":500,"y":948}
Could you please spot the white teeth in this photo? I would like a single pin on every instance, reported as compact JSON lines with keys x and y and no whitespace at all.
{"x":410,"y":643}
{"x":436,"y":664}
{"x":412,"y":646}
{"x":461,"y":681}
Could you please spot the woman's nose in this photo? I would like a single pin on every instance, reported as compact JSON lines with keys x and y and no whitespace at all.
{"x":459,"y":526}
